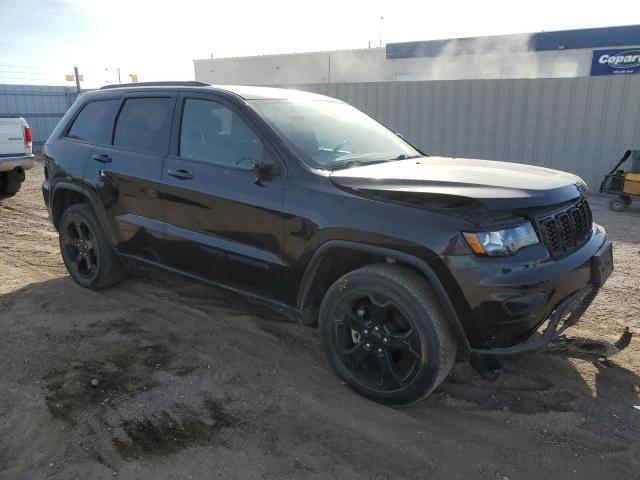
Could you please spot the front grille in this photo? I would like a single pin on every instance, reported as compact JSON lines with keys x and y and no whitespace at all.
{"x":568,"y":229}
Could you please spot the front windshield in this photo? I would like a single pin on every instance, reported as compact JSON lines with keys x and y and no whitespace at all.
{"x":330,"y":134}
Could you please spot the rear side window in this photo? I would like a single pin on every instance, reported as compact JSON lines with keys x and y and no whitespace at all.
{"x":94,"y":123}
{"x":144,"y":124}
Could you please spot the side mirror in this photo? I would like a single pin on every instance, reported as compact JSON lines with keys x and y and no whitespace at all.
{"x":260,"y":168}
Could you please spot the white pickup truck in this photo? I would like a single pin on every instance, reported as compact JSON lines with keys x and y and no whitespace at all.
{"x":16,"y":154}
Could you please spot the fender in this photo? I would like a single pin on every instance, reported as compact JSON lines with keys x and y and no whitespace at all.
{"x":101,"y":215}
{"x":318,"y":256}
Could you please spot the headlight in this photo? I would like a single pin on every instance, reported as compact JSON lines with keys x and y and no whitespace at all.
{"x":501,"y":242}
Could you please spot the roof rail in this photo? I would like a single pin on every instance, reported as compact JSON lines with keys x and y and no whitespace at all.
{"x":189,"y":83}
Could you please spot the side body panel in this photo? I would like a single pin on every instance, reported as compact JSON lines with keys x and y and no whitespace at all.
{"x":127,"y":190}
{"x":317,"y":212}
{"x":221,"y":224}
{"x":126,"y":182}
{"x":67,"y":159}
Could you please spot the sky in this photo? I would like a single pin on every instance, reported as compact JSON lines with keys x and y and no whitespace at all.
{"x":42,"y":40}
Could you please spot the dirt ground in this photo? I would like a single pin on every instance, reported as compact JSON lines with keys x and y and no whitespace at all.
{"x":192,"y":382}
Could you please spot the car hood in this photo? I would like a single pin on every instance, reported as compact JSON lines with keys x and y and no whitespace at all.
{"x":497,"y":185}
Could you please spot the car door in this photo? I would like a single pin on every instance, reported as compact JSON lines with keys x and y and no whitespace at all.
{"x":223,"y":221}
{"x":91,"y":126}
{"x":126,"y":172}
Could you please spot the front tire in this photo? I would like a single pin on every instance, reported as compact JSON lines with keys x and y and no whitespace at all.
{"x":87,"y":254}
{"x":386,"y":335}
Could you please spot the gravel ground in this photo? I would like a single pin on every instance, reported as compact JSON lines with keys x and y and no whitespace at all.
{"x":163,"y":378}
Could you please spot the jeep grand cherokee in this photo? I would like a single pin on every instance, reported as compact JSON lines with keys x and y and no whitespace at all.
{"x":402,"y":259}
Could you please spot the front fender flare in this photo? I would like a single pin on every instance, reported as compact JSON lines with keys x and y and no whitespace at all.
{"x":418,"y":263}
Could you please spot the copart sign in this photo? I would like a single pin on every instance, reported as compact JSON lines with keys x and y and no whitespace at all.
{"x":615,"y":62}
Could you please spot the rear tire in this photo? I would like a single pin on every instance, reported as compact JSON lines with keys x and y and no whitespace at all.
{"x":88,"y":256}
{"x":10,"y":183}
{"x":386,"y":335}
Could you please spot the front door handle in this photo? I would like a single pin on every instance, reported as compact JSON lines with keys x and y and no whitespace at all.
{"x":102,"y":158}
{"x":181,"y":174}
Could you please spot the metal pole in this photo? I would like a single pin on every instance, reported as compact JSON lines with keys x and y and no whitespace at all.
{"x":329,"y":72}
{"x":75,"y":72}
{"x":119,"y":75}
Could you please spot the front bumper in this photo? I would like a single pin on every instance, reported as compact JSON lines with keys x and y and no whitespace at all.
{"x":566,"y":314}
{"x":509,"y":298}
{"x":487,"y":361}
{"x":24,"y":162}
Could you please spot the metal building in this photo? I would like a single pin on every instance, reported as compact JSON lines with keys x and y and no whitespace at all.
{"x":564,"y":54}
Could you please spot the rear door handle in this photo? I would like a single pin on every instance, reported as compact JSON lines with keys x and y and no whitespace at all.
{"x":102,"y":158}
{"x":181,"y":174}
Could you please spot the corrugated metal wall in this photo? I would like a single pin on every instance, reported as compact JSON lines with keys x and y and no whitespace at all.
{"x":41,"y":106}
{"x":581,"y":125}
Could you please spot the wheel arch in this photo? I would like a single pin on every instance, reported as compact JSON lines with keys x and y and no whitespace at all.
{"x":321,"y":272}
{"x":66,"y":194}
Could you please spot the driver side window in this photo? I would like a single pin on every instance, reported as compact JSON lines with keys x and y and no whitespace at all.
{"x":214,"y":133}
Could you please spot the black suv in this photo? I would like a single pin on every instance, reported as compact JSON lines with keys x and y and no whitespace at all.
{"x":402,"y":259}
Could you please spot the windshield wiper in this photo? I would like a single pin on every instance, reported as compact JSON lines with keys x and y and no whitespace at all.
{"x":358,"y":163}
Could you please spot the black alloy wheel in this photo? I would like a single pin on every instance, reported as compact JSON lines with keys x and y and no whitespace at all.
{"x":81,"y":248}
{"x":90,"y":259}
{"x":385,"y":334}
{"x":376,"y":341}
